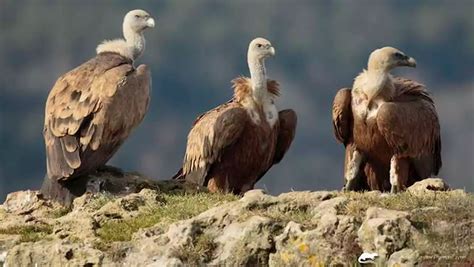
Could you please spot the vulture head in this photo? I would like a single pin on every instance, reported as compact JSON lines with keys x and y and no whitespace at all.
{"x":134,"y":23}
{"x":387,"y":58}
{"x":259,"y":49}
{"x":137,"y":21}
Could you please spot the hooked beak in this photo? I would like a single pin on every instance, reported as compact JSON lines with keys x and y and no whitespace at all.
{"x":410,"y":62}
{"x":272,"y":51}
{"x":150,"y":23}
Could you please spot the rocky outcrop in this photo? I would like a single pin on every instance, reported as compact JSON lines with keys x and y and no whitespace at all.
{"x":404,"y":258}
{"x":159,"y":227}
{"x":385,"y":231}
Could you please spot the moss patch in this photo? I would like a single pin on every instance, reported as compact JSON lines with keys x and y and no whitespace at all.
{"x":28,"y":233}
{"x":172,"y":209}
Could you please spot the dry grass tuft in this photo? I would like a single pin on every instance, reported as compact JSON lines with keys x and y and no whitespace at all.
{"x":173,"y":208}
{"x":28,"y":233}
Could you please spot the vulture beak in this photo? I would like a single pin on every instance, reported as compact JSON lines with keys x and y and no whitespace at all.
{"x":150,"y":23}
{"x":272,"y":51}
{"x":410,"y":62}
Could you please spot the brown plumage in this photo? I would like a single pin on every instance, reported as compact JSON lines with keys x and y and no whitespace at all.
{"x":89,"y":113}
{"x":228,"y":151}
{"x":392,"y":136}
{"x":84,"y":118}
{"x":232,"y":146}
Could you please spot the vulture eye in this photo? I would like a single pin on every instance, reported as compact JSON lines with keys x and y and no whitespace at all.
{"x":259,"y":45}
{"x":137,"y":16}
{"x":399,"y":55}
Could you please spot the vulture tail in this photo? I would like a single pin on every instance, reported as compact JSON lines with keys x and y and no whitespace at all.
{"x":64,"y":192}
{"x":197,"y":177}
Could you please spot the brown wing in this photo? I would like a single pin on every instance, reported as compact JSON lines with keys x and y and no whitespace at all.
{"x":286,"y":133}
{"x":342,"y":116}
{"x":211,"y":133}
{"x":76,"y":112}
{"x":410,"y":125}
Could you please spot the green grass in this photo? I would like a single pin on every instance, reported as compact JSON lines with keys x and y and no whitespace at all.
{"x":173,"y":208}
{"x":28,"y":233}
{"x":59,"y":212}
{"x":100,"y":200}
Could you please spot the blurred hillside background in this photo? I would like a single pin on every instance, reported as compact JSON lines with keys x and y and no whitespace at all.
{"x":199,"y":46}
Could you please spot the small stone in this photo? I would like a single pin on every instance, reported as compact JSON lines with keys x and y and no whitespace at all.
{"x":257,"y":198}
{"x":428,"y":185}
{"x":22,"y":202}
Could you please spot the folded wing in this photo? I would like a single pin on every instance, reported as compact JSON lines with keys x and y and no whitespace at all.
{"x":76,"y":115}
{"x":210,"y":135}
{"x":410,"y":125}
{"x":342,"y":116}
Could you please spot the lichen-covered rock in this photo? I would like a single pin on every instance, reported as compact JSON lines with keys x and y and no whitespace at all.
{"x":328,"y":207}
{"x":385,"y":231}
{"x":404,"y":258}
{"x":226,"y":235}
{"x":22,"y":202}
{"x":246,"y":243}
{"x":164,"y":226}
{"x":333,"y":241}
{"x":48,"y":253}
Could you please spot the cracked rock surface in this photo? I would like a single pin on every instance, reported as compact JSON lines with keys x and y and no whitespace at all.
{"x":171,"y":225}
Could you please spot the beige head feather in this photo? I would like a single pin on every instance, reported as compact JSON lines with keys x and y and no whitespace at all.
{"x":387,"y":58}
{"x":134,"y":24}
{"x":260,"y":48}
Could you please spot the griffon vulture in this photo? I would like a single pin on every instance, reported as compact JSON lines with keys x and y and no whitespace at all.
{"x":92,"y":109}
{"x":232,"y":146}
{"x":389,"y":126}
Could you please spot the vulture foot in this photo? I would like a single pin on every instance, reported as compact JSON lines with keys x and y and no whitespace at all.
{"x":395,"y":189}
{"x":351,"y":185}
{"x":64,"y":192}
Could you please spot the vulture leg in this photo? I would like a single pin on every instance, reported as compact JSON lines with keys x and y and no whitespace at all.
{"x":399,"y":168}
{"x":354,"y":159}
{"x":64,"y":192}
{"x":359,"y":183}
